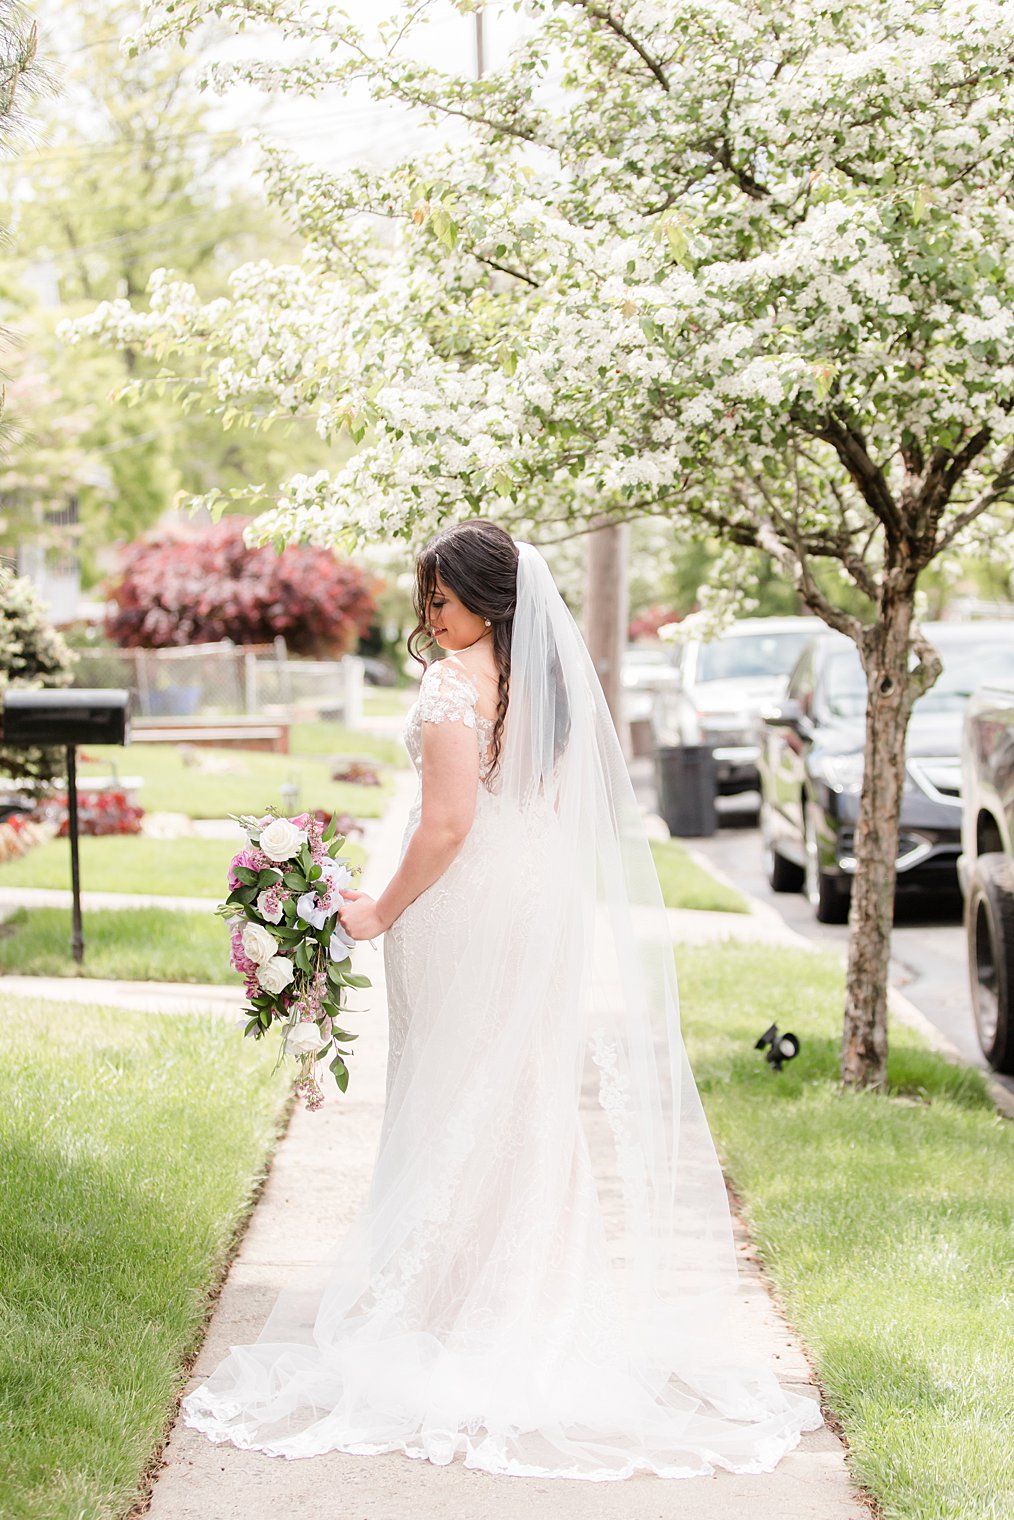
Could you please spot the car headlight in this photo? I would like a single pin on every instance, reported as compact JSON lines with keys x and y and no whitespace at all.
{"x":842,"y":773}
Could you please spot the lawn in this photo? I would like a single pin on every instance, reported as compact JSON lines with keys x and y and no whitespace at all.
{"x":884,"y":1221}
{"x":134,"y":1147}
{"x":388,"y":701}
{"x":135,"y":863}
{"x":687,"y":885}
{"x":128,"y":944}
{"x":330,"y":739}
{"x":242,"y":781}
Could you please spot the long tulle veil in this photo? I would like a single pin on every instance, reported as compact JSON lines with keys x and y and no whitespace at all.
{"x":541,"y":1273}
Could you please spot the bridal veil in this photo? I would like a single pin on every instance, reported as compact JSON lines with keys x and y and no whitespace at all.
{"x":540,"y":1277}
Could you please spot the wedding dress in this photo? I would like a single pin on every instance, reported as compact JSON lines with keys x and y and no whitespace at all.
{"x":539,"y":1279}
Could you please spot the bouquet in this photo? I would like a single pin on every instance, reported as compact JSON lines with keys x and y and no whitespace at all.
{"x":287,"y":941}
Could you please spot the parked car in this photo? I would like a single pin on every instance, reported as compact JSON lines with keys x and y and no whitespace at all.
{"x":723,"y":684}
{"x":986,"y":866}
{"x":646,"y":670}
{"x":811,"y":767}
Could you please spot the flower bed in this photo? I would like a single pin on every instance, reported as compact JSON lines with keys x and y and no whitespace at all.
{"x":19,"y":833}
{"x":106,"y":812}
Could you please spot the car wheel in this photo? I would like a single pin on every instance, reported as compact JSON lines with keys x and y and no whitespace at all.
{"x":783,"y":875}
{"x":828,"y":896}
{"x":989,"y":923}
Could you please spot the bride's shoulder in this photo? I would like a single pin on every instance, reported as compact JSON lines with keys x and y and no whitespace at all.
{"x":447,"y":690}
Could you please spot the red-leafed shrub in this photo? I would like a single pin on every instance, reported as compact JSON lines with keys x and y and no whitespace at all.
{"x":647,"y":623}
{"x":198,"y":585}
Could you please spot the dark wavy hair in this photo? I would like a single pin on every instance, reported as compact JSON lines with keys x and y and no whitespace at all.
{"x":478,"y":561}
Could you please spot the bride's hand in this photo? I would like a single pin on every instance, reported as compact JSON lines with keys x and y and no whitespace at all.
{"x":359,"y":916}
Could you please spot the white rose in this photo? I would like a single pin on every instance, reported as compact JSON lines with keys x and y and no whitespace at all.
{"x":259,"y":944}
{"x":281,"y":840}
{"x":305,"y":1037}
{"x":272,"y":916}
{"x":275,"y":975}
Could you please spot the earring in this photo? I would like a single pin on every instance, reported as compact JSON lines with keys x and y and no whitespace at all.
{"x":486,"y":621}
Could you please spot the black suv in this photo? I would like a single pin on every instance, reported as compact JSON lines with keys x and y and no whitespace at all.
{"x":811,"y":765}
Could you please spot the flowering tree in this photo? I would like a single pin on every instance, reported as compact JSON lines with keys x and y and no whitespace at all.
{"x":190,"y":586}
{"x":745,"y":264}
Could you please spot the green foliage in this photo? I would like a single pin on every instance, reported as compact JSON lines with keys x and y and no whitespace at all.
{"x":32,"y":654}
{"x":129,"y":176}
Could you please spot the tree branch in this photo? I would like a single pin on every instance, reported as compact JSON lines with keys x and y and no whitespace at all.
{"x":1001,"y":483}
{"x":850,"y":446}
{"x":505,"y":269}
{"x":599,"y":13}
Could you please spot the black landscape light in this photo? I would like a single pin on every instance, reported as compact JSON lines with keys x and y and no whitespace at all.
{"x":61,"y":716}
{"x":781,"y":1047}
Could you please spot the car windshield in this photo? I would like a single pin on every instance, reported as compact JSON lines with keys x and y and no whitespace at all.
{"x":967,"y":666}
{"x":751,"y":654}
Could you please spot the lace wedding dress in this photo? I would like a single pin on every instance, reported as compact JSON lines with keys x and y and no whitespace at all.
{"x":538,"y":1280}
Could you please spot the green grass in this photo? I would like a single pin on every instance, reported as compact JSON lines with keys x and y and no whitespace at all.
{"x":884,"y":1221}
{"x":128,"y":944}
{"x":388,"y":701}
{"x":687,"y":885}
{"x":250,"y":784}
{"x":331,"y":740}
{"x":133,"y":1146}
{"x":134,"y":863}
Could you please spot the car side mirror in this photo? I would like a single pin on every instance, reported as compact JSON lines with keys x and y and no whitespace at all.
{"x":785,"y":714}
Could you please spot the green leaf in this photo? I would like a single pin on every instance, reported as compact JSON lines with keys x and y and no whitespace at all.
{"x":267,"y":878}
{"x":341,"y":1072}
{"x":354,"y":980}
{"x":329,"y":832}
{"x":295,"y":880}
{"x":247,"y":877}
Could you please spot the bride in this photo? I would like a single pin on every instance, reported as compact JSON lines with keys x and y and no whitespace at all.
{"x":539,"y":1277}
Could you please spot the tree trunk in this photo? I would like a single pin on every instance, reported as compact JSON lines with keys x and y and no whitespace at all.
{"x":606,"y":605}
{"x":885,"y":652}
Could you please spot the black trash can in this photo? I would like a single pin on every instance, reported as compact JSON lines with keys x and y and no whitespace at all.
{"x":685,"y":778}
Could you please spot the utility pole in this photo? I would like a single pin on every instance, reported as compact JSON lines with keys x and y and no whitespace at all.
{"x":607,"y":615}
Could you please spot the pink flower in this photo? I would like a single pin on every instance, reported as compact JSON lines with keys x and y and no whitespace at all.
{"x":249,"y":857}
{"x":239,"y":958}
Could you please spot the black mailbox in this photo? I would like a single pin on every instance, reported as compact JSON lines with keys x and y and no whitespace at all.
{"x":58,"y":715}
{"x":67,"y":716}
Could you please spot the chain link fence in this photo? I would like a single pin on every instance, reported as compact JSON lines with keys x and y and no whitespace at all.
{"x":226,"y":679}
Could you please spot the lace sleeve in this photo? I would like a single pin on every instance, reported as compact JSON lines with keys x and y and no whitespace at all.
{"x":446,"y":694}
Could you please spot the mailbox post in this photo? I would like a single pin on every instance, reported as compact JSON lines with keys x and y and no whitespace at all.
{"x":69,"y":717}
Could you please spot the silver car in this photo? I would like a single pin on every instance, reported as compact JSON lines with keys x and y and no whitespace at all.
{"x":724,"y":684}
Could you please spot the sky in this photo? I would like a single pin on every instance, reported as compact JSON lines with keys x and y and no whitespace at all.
{"x":350,"y":128}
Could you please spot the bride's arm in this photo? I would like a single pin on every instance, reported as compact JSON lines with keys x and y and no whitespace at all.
{"x":450,"y":781}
